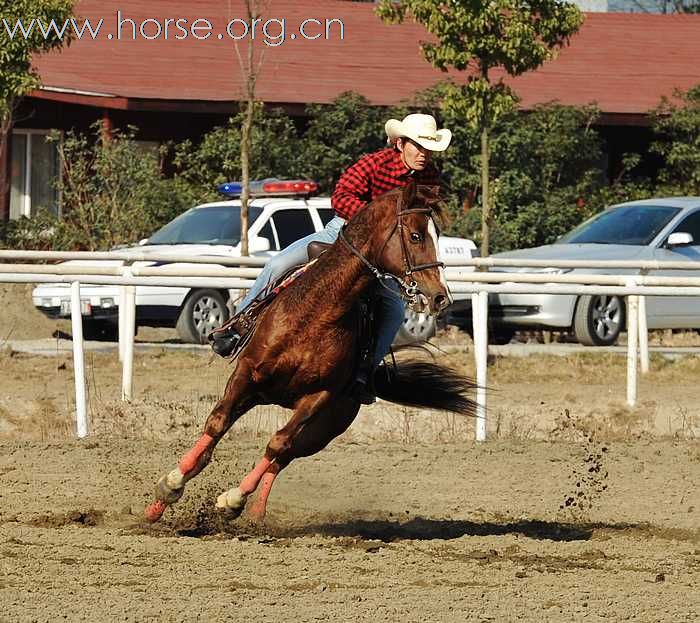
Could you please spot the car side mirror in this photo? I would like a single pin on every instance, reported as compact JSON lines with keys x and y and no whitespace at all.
{"x":259,"y":244}
{"x":679,"y":239}
{"x":143,"y":242}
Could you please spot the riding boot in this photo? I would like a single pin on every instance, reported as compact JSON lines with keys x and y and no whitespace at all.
{"x":225,"y":339}
{"x":224,"y":343}
{"x":364,"y":389}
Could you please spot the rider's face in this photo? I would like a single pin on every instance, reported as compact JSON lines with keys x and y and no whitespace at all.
{"x":414,"y":156}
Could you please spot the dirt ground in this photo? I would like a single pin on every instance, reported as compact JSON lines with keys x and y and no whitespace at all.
{"x":577,"y":508}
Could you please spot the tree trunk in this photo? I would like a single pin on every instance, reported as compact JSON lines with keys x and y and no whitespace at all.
{"x":245,"y":172}
{"x":250,"y":76}
{"x":5,"y":166}
{"x":485,"y":199}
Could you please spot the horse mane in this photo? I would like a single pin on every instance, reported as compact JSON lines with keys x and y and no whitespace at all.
{"x":322,"y":275}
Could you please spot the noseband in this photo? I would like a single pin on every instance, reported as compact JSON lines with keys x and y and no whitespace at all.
{"x":408,"y":287}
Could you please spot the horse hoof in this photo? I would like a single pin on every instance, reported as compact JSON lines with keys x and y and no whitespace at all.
{"x":229,"y":514}
{"x":166,"y":493}
{"x":231,"y":503}
{"x":154,"y":511}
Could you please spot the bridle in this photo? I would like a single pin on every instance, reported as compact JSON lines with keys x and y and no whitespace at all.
{"x":408,"y":290}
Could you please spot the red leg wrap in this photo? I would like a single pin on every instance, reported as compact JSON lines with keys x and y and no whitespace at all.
{"x":250,"y":482}
{"x":155,"y":510}
{"x":190,"y":460}
{"x":258,"y":509}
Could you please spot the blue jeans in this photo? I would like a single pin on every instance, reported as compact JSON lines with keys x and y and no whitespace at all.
{"x":391,"y":309}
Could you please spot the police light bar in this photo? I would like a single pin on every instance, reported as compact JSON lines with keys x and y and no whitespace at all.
{"x":271,"y":187}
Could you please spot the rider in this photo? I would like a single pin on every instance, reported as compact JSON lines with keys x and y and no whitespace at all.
{"x":409,"y":156}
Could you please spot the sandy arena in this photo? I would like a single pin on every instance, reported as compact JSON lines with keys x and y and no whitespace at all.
{"x":577,"y":508}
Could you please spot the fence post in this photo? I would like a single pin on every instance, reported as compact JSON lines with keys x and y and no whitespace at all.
{"x":632,"y":355}
{"x":122,"y":321}
{"x":480,"y":312}
{"x":129,"y":330}
{"x":76,"y":317}
{"x":643,"y":335}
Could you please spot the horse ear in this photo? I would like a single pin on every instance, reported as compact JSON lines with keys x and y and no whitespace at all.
{"x":408,"y":193}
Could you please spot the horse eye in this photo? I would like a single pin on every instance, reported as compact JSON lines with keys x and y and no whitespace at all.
{"x":416,"y":237}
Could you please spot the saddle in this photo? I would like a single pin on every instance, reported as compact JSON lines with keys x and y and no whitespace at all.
{"x":224,"y":339}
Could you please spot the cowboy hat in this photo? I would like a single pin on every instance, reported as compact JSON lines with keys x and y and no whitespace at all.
{"x":420,"y":128}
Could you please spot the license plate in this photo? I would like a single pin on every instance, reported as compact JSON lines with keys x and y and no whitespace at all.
{"x":85,"y":308}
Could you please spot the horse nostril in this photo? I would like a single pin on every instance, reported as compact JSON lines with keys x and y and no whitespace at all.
{"x":440,"y":301}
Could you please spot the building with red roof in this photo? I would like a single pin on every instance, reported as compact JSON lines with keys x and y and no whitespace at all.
{"x":177,"y":79}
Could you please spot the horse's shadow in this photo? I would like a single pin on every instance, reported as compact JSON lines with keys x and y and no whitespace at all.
{"x":426,"y":529}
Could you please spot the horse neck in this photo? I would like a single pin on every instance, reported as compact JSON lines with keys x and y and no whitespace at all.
{"x":348,"y":277}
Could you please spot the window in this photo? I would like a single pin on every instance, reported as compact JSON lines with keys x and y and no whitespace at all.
{"x":266,"y":232}
{"x":33,"y":175}
{"x":633,"y":225}
{"x":691,"y":225}
{"x":326,"y":215}
{"x":291,"y":225}
{"x":207,"y":225}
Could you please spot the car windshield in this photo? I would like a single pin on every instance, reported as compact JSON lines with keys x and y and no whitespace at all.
{"x":633,"y":225}
{"x":210,"y":225}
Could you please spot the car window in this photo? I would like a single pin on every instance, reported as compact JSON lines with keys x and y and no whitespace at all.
{"x":633,"y":225}
{"x":326,"y":215}
{"x":210,"y":225}
{"x":266,"y":232}
{"x":691,"y":225}
{"x":292,"y":225}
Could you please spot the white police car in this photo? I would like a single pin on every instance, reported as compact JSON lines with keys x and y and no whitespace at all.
{"x":281,"y":212}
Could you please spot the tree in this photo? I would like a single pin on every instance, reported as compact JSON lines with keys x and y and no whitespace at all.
{"x":480,"y":39}
{"x":17,"y":76}
{"x":677,"y":128}
{"x":250,"y":69}
{"x":113,"y":193}
{"x":274,"y":152}
{"x":338,"y":134}
{"x":660,"y":6}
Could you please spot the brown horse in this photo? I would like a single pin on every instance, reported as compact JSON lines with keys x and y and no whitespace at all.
{"x":304,"y":350}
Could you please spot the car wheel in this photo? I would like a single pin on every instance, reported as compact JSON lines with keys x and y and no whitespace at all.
{"x":203,"y":311}
{"x":100,"y":330}
{"x":599,"y":319}
{"x":417,"y":327}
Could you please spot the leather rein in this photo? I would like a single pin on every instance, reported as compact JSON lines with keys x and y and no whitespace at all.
{"x":408,"y":287}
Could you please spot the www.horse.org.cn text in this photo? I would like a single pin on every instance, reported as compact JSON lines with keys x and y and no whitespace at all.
{"x":272,"y":32}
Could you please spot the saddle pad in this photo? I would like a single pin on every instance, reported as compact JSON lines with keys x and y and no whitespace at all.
{"x":284,"y":283}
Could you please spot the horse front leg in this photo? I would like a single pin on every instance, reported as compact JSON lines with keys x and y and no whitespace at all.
{"x":233,"y":501}
{"x":171,"y":486}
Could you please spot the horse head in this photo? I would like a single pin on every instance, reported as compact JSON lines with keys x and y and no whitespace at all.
{"x":411,"y":252}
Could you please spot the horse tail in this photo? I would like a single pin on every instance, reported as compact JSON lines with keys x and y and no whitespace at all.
{"x":428,"y":385}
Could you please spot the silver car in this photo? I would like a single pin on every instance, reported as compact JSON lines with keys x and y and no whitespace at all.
{"x":653,"y":229}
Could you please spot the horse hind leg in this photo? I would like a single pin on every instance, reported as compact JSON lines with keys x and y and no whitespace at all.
{"x":233,"y":501}
{"x":171,"y":486}
{"x":328,"y":423}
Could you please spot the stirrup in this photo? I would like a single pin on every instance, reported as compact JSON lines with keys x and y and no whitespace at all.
{"x":224,"y":343}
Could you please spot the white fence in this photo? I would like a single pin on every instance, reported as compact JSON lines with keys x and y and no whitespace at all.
{"x":460,"y":275}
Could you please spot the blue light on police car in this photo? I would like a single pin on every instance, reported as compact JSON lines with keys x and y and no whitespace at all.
{"x":232,"y":189}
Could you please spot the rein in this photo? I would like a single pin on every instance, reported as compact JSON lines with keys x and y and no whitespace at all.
{"x":408,"y":289}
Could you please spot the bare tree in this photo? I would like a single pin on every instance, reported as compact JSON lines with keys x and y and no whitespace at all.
{"x":664,"y":6}
{"x":250,"y":69}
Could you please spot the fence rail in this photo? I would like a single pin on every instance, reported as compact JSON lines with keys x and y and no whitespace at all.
{"x":238,"y":273}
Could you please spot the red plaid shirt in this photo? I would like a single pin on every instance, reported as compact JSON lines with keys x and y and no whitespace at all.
{"x":373,"y":175}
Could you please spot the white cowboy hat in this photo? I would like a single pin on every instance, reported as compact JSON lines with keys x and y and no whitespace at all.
{"x":420,"y":128}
